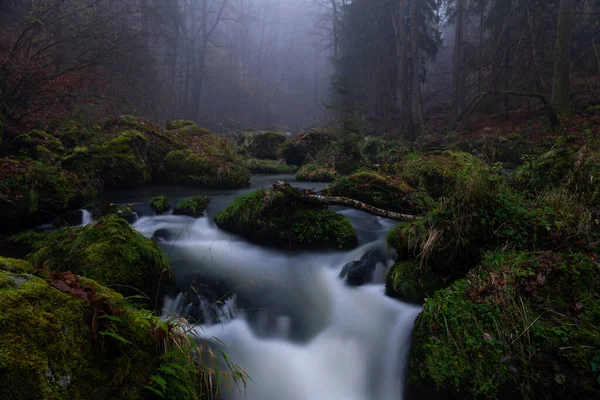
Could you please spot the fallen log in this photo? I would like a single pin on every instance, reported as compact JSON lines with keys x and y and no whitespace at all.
{"x":340,"y":201}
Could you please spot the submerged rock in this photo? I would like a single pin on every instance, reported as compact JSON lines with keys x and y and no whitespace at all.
{"x":357,"y":273}
{"x":109,"y":251}
{"x":524,"y":325}
{"x":269,"y":216}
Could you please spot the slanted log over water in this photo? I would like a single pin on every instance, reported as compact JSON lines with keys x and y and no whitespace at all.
{"x":340,"y":201}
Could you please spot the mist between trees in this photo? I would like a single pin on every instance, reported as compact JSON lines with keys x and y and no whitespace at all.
{"x":294,"y":64}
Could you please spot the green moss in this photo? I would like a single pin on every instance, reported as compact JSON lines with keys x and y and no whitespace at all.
{"x":411,"y":281}
{"x":186,"y":166}
{"x":267,"y":145}
{"x":109,"y":251}
{"x":304,"y":147}
{"x":51,"y":348}
{"x":549,"y":169}
{"x":522,"y":326}
{"x":317,"y":173}
{"x":118,"y":162}
{"x":192,"y":207}
{"x":177,"y":124}
{"x":375,"y":149}
{"x":32,"y":192}
{"x":348,"y":157}
{"x":21,"y":244}
{"x":386,"y":192}
{"x":435,"y":171}
{"x":273,"y":217}
{"x":15,"y":265}
{"x":270,"y":167}
{"x":101,"y":210}
{"x":160,"y":204}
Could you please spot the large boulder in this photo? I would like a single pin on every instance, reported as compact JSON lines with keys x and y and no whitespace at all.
{"x":109,"y":251}
{"x":274,"y":217}
{"x":387,"y":192}
{"x":210,"y":161}
{"x":120,"y":161}
{"x":317,"y":173}
{"x":34,"y":193}
{"x":306,"y":146}
{"x":267,"y":145}
{"x":38,"y":145}
{"x":524,"y":325}
{"x":70,"y":338}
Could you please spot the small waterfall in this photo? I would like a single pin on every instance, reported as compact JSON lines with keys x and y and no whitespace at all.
{"x":86,"y":217}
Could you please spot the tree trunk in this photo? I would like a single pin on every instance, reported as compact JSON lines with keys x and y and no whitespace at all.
{"x":336,"y":38}
{"x":340,"y":201}
{"x":416,"y":102}
{"x":458,"y":60}
{"x":402,"y":98}
{"x":560,"y":81}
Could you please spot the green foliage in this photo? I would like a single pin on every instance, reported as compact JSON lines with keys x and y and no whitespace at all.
{"x":523,"y":325}
{"x":317,"y":173}
{"x":192,"y":207}
{"x":411,"y":281}
{"x":160,"y":204}
{"x":32,"y":192}
{"x":270,"y":167}
{"x":269,"y":216}
{"x":38,"y":145}
{"x":109,"y":251}
{"x":267,"y":145}
{"x":382,"y":191}
{"x":375,"y":149}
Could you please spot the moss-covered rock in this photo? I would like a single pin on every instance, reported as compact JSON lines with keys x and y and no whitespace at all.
{"x":192,"y":207}
{"x":522,"y":326}
{"x":412,"y":281}
{"x":38,"y":145}
{"x":270,"y":216}
{"x":160,"y":204}
{"x":270,"y":167}
{"x":118,"y":162}
{"x":376,"y":149}
{"x":70,"y":338}
{"x":33,"y":193}
{"x":435,"y":171}
{"x":178,"y":124}
{"x":267,"y":145}
{"x":20,"y":244}
{"x":347,"y":157}
{"x":386,"y":192}
{"x":71,"y":133}
{"x":104,"y":209}
{"x":109,"y":251}
{"x":206,"y":167}
{"x":305,"y":146}
{"x":317,"y":173}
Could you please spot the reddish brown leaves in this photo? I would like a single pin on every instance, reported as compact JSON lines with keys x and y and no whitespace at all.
{"x":68,"y":283}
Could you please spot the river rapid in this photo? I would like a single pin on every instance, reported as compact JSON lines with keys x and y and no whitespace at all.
{"x":287,"y":318}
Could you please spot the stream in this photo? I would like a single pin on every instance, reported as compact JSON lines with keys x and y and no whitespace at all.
{"x":287,"y":318}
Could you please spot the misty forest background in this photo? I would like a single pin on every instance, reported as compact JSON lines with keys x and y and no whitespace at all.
{"x":372,"y":66}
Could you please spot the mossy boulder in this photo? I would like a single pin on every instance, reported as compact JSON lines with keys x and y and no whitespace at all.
{"x":376,"y":149}
{"x":185,"y":129}
{"x":305,"y":146}
{"x":160,"y":204}
{"x":267,"y":145}
{"x":273,"y":217}
{"x":257,"y":166}
{"x":412,"y":281}
{"x":211,"y":162}
{"x":109,"y":251}
{"x":72,"y":133}
{"x":382,"y":191}
{"x":192,"y":207}
{"x":39,"y":145}
{"x":178,"y":124}
{"x":347,"y":157}
{"x":118,"y":162}
{"x":524,"y":325}
{"x":435,"y":171}
{"x":317,"y":173}
{"x":104,"y":209}
{"x":56,"y":340}
{"x":34,"y":193}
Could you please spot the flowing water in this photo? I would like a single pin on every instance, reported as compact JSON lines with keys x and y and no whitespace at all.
{"x":287,"y":318}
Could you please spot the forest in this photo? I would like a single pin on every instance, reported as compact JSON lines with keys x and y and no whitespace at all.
{"x":299,"y":199}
